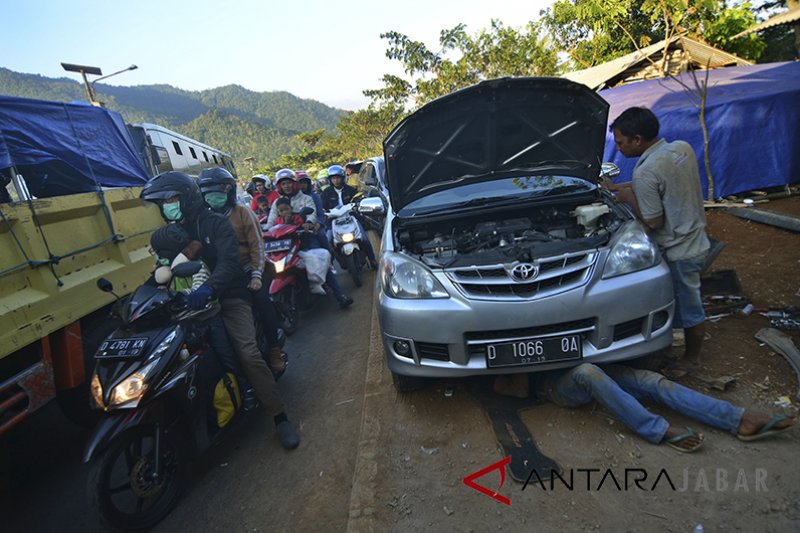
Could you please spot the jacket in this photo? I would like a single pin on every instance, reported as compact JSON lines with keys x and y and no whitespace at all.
{"x":330,"y":197}
{"x":220,"y":253}
{"x":250,"y":239}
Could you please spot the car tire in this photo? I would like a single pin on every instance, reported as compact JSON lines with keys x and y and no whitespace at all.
{"x":404,"y":383}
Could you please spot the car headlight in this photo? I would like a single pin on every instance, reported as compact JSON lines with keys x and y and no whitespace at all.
{"x":347,"y":237}
{"x":402,"y":277}
{"x":632,"y":251}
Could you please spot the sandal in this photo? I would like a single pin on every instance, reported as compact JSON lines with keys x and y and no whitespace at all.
{"x":768,"y":429}
{"x":674,"y":441}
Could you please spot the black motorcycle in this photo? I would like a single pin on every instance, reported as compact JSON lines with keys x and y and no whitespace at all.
{"x":166,"y":399}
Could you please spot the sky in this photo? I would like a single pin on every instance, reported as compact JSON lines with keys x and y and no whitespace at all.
{"x":325,"y":50}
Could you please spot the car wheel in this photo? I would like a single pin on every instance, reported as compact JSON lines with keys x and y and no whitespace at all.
{"x":408,"y":383}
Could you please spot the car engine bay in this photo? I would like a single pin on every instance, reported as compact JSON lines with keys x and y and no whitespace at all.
{"x":522,"y":233}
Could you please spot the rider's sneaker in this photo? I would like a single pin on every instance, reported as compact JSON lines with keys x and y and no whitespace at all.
{"x":287,"y":435}
{"x":345,"y":302}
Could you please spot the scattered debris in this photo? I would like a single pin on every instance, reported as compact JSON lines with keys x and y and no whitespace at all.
{"x":782,"y":344}
{"x":722,"y":294}
{"x":223,"y":465}
{"x":788,"y":318}
{"x":345,"y":401}
{"x":773,"y":218}
{"x":464,"y":445}
{"x":429,"y":451}
{"x":783,"y":401}
{"x":448,"y":392}
{"x":764,"y":385}
{"x":656,"y":515}
{"x":447,"y":511}
{"x":719,"y":383}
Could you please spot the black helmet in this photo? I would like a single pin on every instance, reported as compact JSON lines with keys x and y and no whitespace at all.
{"x":217,"y":179}
{"x":169,"y":184}
{"x":168,"y":241}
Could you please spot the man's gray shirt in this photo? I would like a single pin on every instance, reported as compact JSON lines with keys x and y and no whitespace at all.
{"x":666,"y":181}
{"x":298,"y":201}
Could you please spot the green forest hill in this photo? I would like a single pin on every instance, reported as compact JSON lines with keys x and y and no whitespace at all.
{"x":231,"y":118}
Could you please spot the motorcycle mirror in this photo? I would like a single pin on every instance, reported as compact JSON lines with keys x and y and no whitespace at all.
{"x":609,"y":170}
{"x":306,"y":211}
{"x":104,"y":285}
{"x":184,"y":270}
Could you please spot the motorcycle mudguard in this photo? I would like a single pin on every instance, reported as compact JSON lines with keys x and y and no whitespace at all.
{"x":278,"y":284}
{"x":349,"y":248}
{"x":108,"y":428}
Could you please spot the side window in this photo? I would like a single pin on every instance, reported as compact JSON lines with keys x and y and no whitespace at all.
{"x":215,"y":159}
{"x":194,"y":154}
{"x":367,"y":176}
{"x":163,"y":159}
{"x":177,"y":147}
{"x":205,"y":155}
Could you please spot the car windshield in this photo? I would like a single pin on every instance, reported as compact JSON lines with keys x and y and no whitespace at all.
{"x":496,"y":191}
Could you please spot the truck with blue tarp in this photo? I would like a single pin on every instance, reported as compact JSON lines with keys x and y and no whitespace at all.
{"x":70,"y":177}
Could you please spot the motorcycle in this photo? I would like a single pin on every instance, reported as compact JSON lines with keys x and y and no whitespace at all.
{"x":289,"y":289}
{"x":348,"y":240}
{"x":166,"y":399}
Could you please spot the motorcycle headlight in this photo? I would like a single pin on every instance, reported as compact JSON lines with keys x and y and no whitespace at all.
{"x":97,"y":391}
{"x":280,"y":264}
{"x":632,"y":251}
{"x":131,"y":389}
{"x":402,"y":277}
{"x":347,"y":237}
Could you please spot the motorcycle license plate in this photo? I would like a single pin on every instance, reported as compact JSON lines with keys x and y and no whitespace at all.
{"x":119,"y":348}
{"x":534,"y":351}
{"x":277,"y":246}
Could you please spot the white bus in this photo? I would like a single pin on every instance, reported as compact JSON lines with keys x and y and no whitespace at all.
{"x":163,"y":150}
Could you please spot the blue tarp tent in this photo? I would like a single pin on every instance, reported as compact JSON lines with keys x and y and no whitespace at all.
{"x":753,"y":118}
{"x":66,"y":148}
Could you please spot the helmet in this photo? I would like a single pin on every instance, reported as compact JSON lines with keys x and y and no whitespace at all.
{"x":302,"y":176}
{"x":284,"y":174}
{"x":259,"y":177}
{"x":218,"y":179}
{"x":169,"y":184}
{"x":322,"y":175}
{"x":335,"y":170}
{"x":168,"y":241}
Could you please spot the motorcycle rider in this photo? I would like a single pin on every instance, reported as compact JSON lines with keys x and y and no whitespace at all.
{"x":218,"y":188}
{"x":339,"y":193}
{"x":178,"y":197}
{"x":286,"y":183}
{"x":304,"y":183}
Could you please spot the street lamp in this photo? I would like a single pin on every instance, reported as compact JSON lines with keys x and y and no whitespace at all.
{"x":84,"y":70}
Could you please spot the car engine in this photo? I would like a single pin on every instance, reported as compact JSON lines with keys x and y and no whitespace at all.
{"x":524,"y":235}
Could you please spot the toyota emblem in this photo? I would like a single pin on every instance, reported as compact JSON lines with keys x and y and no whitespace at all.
{"x":524,"y":272}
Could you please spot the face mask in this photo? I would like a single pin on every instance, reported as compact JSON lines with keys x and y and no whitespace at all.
{"x":172,"y":211}
{"x":163,"y":261}
{"x":216,"y":200}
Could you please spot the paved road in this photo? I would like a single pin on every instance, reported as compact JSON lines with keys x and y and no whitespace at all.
{"x":248,"y":483}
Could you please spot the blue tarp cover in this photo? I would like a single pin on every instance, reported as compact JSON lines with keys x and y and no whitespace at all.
{"x":66,"y":148}
{"x":753,"y":118}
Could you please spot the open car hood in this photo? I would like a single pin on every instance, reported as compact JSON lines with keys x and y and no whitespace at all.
{"x":494,"y":129}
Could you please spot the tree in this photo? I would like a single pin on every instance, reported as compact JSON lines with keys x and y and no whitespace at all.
{"x":596,"y":31}
{"x":462,"y":60}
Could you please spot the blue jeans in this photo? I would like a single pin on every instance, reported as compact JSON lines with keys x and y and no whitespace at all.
{"x":619,"y":389}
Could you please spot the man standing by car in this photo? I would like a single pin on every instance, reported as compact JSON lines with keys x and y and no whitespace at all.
{"x":666,"y":194}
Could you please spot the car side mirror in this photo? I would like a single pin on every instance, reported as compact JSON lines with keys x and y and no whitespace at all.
{"x":104,"y":285}
{"x":609,"y":170}
{"x":372,"y":206}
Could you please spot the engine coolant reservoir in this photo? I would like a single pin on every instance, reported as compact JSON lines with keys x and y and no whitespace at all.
{"x":587,"y":215}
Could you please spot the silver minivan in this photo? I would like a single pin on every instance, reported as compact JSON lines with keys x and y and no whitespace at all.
{"x":501,"y":253}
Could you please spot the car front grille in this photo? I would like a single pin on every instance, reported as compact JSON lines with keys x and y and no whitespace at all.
{"x":555,"y":274}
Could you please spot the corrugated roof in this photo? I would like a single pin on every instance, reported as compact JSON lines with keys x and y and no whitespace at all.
{"x":598,"y":76}
{"x":793,"y":15}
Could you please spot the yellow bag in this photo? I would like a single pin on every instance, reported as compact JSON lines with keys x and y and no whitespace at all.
{"x":227,"y":399}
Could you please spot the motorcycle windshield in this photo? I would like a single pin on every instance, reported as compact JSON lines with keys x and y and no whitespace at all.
{"x":144,"y":300}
